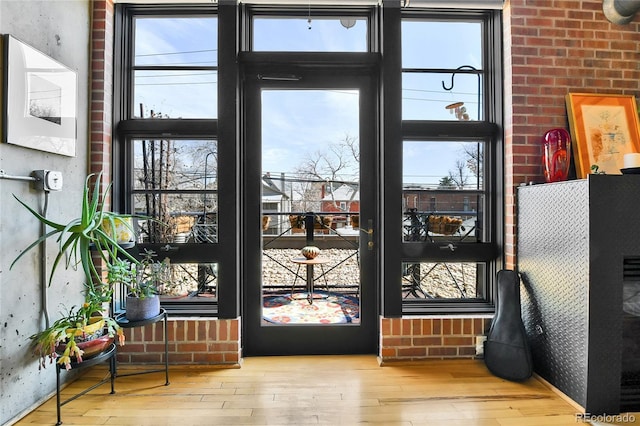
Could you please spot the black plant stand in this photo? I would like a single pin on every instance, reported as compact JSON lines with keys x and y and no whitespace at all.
{"x":106,"y":355}
{"x":123,"y":322}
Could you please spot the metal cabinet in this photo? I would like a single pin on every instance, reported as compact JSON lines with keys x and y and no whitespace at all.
{"x":578,"y":251}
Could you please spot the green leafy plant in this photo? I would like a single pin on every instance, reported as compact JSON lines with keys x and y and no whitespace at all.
{"x":78,"y":237}
{"x":46,"y":342}
{"x":138,"y":278}
{"x":93,"y":231}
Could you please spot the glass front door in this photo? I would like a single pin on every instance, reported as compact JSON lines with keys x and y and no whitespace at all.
{"x":310,"y":286}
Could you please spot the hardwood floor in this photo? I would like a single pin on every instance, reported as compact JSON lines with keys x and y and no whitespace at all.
{"x":310,"y":390}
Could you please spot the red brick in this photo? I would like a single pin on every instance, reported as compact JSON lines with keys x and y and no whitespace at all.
{"x":467,"y":351}
{"x":412,"y":352}
{"x":427,"y":341}
{"x":442,"y":351}
{"x":388,"y":353}
{"x":467,"y":326}
{"x":192,"y":347}
{"x":457,"y":341}
{"x":190,"y":330}
{"x":416,"y":327}
{"x":234,"y":333}
{"x":436,"y":327}
{"x":145,"y":359}
{"x":223,"y":330}
{"x":396,"y":324}
{"x":131,"y":348}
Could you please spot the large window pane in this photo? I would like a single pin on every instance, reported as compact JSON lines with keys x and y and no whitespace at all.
{"x":175,"y":68}
{"x":435,"y":44}
{"x":175,"y":164}
{"x":171,"y":41}
{"x":424,"y":98}
{"x":175,"y":183}
{"x":322,"y":34}
{"x":443,"y":191}
{"x":443,"y":165}
{"x":189,"y":280}
{"x":443,"y":280}
{"x":176,"y":94}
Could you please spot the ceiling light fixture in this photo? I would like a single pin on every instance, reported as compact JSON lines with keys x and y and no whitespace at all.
{"x":347,"y":23}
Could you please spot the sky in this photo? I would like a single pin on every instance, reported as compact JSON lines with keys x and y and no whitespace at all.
{"x":298,"y":122}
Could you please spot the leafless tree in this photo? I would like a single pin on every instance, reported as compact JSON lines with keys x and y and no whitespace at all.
{"x":459,"y":176}
{"x":334,"y":165}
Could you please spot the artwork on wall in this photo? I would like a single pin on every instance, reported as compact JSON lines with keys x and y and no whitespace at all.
{"x":603,"y":129}
{"x":39,"y":100}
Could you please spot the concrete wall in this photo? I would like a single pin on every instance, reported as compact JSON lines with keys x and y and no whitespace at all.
{"x":59,"y":29}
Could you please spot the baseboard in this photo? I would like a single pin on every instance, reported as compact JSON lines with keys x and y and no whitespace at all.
{"x":578,"y":407}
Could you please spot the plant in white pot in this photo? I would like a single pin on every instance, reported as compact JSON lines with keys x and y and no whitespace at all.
{"x":141,"y":281}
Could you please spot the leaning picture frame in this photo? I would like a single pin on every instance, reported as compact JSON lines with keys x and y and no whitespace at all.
{"x":39,"y":97}
{"x":603,"y":128}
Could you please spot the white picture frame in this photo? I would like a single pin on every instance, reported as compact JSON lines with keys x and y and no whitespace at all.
{"x":39,"y":100}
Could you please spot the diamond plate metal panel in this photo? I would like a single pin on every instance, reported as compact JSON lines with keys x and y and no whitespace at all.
{"x":553,"y":258}
{"x":573,"y":239}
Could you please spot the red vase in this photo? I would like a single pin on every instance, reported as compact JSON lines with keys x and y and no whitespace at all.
{"x":556,"y":155}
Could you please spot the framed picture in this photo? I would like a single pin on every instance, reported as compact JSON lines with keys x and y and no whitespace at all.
{"x":603,"y":129}
{"x":39,"y":100}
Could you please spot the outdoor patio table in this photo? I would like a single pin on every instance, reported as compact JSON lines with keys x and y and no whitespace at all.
{"x":309,"y":264}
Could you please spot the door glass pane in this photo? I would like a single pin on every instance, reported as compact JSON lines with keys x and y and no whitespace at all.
{"x":310,"y":197}
{"x":443,"y":191}
{"x":322,"y":34}
{"x":176,"y":184}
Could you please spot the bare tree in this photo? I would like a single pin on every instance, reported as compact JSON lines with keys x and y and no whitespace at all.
{"x":459,"y":176}
{"x":335,"y":165}
{"x":474,"y":159}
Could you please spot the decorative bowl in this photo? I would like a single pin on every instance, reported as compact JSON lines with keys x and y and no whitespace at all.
{"x":310,"y":252}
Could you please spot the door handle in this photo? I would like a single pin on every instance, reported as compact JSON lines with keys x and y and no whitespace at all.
{"x":369,"y":232}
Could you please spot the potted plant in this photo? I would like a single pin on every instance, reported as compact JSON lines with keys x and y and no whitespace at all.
{"x":83,"y":331}
{"x":77,"y":240}
{"x":96,"y":230}
{"x":141,"y":281}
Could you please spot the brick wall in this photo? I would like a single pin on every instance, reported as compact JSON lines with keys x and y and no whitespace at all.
{"x":554,"y":47}
{"x":411,"y":339}
{"x":191,"y":341}
{"x":100,"y":114}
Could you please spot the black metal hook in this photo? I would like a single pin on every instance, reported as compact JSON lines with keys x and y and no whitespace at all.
{"x":461,"y":67}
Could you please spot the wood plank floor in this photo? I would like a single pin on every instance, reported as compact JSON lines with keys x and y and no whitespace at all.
{"x":310,"y":390}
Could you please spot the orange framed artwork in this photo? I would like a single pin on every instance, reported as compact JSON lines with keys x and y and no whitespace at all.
{"x":603,"y":128}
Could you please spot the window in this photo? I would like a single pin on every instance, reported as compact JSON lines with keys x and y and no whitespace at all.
{"x":167,"y":148}
{"x":175,"y":149}
{"x":449,"y":160}
{"x":331,"y":32}
{"x":175,"y":67}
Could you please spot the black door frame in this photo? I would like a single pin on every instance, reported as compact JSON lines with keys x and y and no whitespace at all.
{"x":260,"y":339}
